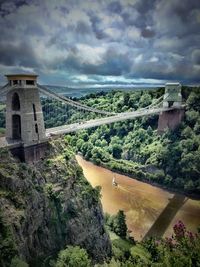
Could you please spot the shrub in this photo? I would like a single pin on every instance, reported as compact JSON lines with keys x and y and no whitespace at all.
{"x":17,"y":262}
{"x":73,"y":257}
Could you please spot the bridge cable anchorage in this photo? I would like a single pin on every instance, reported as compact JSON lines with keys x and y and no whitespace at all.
{"x":71,"y":102}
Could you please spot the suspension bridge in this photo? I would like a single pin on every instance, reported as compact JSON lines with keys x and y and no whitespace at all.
{"x":28,"y":107}
{"x":106,"y":117}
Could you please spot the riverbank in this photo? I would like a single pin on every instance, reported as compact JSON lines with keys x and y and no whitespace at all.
{"x":149,"y":209}
{"x":148,"y":181}
{"x":164,"y":187}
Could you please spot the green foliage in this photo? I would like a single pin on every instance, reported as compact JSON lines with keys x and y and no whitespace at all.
{"x":17,"y":262}
{"x":117,"y":223}
{"x":7,"y":245}
{"x":112,"y":263}
{"x":89,"y":192}
{"x":2,"y":132}
{"x":121,"y":249}
{"x":73,"y":257}
{"x":193,"y":100}
{"x":135,"y":148}
{"x":181,"y":249}
{"x":140,"y":255}
{"x":51,"y":193}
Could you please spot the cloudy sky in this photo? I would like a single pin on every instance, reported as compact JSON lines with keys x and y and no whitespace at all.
{"x":104,"y":42}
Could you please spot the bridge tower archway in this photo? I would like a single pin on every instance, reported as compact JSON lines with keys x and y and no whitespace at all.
{"x":15,"y":102}
{"x":16,"y":127}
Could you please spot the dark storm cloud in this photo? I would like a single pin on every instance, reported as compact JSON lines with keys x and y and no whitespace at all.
{"x":196,"y":56}
{"x":145,"y":10}
{"x":177,"y":18}
{"x":150,"y":39}
{"x":9,"y":6}
{"x":83,"y":28}
{"x":95,"y":20}
{"x":112,"y":63}
{"x":148,"y":33}
{"x":115,"y":7}
{"x":144,"y":6}
{"x":17,"y":55}
{"x":183,"y":10}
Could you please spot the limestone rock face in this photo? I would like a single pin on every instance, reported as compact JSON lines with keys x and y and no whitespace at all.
{"x":46,"y":206}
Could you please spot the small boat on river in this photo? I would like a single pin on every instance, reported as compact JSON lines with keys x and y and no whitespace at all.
{"x":114,"y":183}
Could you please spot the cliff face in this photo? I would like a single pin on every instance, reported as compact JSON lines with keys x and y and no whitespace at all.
{"x":46,"y":206}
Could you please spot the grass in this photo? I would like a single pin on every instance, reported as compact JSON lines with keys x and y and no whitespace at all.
{"x":112,"y":235}
{"x":2,"y":132}
{"x":119,"y":242}
{"x":139,"y":251}
{"x":122,"y":244}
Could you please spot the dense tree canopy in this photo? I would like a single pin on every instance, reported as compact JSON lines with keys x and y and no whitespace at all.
{"x":117,"y":223}
{"x":73,"y":257}
{"x":134,"y":146}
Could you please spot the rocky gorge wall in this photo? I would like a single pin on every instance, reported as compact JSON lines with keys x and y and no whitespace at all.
{"x":46,"y":206}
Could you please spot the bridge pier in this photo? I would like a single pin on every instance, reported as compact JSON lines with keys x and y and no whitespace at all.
{"x":30,"y":154}
{"x":172,"y":98}
{"x":170,"y":119}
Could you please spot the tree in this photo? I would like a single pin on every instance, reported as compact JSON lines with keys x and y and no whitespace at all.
{"x":145,"y":100}
{"x":193,"y":101}
{"x":192,"y":116}
{"x":73,"y":257}
{"x":119,"y":225}
{"x":189,"y":185}
{"x":116,"y":151}
{"x":17,"y":262}
{"x":126,"y":99}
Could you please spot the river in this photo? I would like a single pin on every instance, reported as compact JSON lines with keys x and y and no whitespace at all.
{"x":150,"y":211}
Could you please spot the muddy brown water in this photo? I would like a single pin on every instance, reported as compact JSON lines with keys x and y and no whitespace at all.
{"x":150,"y":211}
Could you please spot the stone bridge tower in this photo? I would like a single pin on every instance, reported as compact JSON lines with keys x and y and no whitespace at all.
{"x":24,"y":117}
{"x":172,"y":98}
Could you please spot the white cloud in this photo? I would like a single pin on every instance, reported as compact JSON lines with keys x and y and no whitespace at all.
{"x":138,"y":59}
{"x":90,"y":55}
{"x":114,"y":33}
{"x":133,"y":33}
{"x":153,"y":59}
{"x":168,"y":44}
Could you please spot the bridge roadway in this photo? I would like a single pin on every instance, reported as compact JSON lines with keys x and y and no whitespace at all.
{"x":56,"y":131}
{"x":107,"y":120}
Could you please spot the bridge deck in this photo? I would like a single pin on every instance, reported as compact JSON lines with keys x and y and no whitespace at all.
{"x":91,"y":123}
{"x":107,"y":120}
